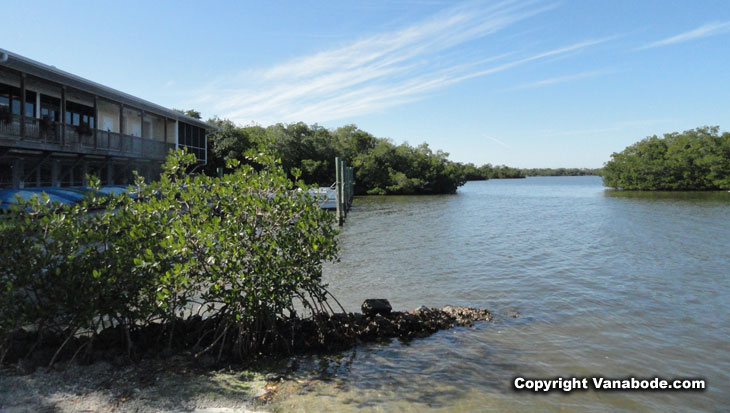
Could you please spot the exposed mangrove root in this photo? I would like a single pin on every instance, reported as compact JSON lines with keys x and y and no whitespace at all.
{"x":195,"y":337}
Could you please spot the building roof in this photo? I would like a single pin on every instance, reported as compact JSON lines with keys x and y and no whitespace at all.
{"x":51,"y":73}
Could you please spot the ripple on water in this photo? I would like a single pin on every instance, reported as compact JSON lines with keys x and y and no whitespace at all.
{"x":604,"y":282}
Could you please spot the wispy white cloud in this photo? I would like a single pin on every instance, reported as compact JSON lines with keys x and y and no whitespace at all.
{"x":498,"y":141}
{"x":377,"y":72}
{"x":709,"y":29}
{"x":612,"y":128}
{"x":564,"y":79}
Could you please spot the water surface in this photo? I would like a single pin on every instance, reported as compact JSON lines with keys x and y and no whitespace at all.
{"x":602,"y":283}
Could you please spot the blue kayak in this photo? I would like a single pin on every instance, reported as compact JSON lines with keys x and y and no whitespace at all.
{"x":66,"y":196}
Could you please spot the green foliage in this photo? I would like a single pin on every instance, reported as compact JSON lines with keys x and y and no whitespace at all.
{"x":246,"y":247}
{"x":561,"y":171}
{"x":503,"y":172}
{"x":696,"y":159}
{"x":472,"y":173}
{"x":487,"y":171}
{"x":381,"y":167}
{"x":230,"y":142}
{"x":190,"y":112}
{"x":309,"y":148}
{"x":406,"y":170}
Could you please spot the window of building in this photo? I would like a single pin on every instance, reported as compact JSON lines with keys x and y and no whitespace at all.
{"x":4,"y":95}
{"x":51,"y":107}
{"x":77,"y":113}
{"x":193,"y":139}
{"x":10,"y":97}
{"x":29,"y":104}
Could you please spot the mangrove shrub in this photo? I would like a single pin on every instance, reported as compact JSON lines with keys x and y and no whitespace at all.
{"x":246,"y":249}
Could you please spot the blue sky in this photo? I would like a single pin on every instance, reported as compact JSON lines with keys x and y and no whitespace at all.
{"x":522,"y":83}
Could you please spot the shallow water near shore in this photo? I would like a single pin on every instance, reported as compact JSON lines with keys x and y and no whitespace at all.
{"x":583,"y":281}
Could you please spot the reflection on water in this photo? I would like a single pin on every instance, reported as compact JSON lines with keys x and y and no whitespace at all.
{"x":702,"y":197}
{"x":604,"y":283}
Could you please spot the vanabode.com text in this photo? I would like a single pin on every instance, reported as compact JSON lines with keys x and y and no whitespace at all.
{"x":601,"y":383}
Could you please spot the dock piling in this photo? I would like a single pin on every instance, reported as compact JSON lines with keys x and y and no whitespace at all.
{"x":345,"y":179}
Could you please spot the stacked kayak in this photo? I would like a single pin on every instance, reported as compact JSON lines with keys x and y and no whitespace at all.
{"x":66,"y":196}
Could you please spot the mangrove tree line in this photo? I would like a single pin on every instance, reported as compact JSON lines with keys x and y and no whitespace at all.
{"x":381,"y":167}
{"x":697,"y":159}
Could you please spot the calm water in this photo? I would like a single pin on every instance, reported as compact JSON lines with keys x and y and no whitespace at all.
{"x":602,"y":283}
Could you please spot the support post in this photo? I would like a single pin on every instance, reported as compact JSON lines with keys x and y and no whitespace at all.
{"x":205,"y":144}
{"x":63,"y":115}
{"x":110,"y":173}
{"x":352,"y":184}
{"x":18,"y":173}
{"x":22,"y":106}
{"x":55,"y":171}
{"x":350,"y":192}
{"x":347,"y":187}
{"x":121,"y":120}
{"x":96,"y":121}
{"x":338,"y":189}
{"x":84,"y":172}
{"x":344,"y":188}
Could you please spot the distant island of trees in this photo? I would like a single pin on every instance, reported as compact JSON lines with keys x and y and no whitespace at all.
{"x":697,"y":159}
{"x":484,"y":172}
{"x":562,"y":171}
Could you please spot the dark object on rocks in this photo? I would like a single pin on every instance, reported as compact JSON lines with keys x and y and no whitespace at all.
{"x":373,"y":306}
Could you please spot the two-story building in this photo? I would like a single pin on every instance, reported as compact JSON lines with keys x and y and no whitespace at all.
{"x":55,"y":128}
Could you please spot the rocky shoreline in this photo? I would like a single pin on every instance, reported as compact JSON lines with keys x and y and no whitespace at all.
{"x":161,"y":378}
{"x":322,"y":333}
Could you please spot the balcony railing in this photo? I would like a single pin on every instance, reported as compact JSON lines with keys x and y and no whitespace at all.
{"x":71,"y":138}
{"x":9,"y":124}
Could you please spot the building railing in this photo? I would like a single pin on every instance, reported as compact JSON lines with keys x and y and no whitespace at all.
{"x":72,"y":137}
{"x":10,"y":125}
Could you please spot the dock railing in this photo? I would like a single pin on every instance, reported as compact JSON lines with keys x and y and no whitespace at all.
{"x":344,"y":188}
